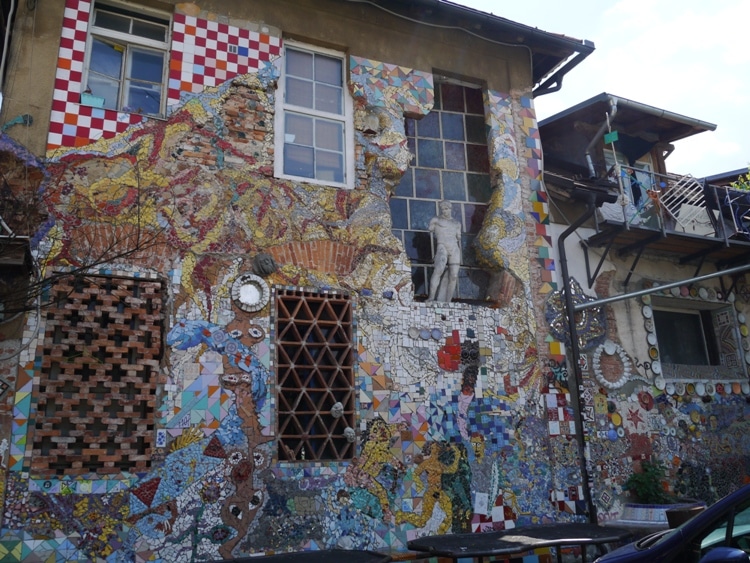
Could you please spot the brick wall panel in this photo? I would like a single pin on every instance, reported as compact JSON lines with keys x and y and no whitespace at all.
{"x":100,"y":371}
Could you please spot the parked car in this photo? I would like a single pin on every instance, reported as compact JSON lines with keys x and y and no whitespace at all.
{"x":719,"y":534}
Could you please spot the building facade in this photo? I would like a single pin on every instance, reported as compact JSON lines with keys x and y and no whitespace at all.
{"x":236,"y":345}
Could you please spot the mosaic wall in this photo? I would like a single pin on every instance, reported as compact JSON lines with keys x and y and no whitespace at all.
{"x":693,"y":420}
{"x":454,"y":412}
{"x":464,"y":418}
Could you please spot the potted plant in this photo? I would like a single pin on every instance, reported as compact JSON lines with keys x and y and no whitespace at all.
{"x":647,"y":485}
{"x":656,"y":505}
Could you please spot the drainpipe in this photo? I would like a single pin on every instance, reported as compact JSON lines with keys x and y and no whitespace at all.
{"x":575,"y":385}
{"x":5,"y":48}
{"x":599,"y":133}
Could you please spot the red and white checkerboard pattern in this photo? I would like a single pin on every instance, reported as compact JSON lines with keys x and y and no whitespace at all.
{"x":560,"y":418}
{"x":72,"y":124}
{"x":203,"y":54}
{"x":206,"y":53}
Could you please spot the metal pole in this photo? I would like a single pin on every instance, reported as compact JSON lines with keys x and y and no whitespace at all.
{"x":575,"y":386}
{"x":657,"y":288}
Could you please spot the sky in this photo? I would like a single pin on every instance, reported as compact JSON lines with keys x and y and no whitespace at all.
{"x":690,"y":57}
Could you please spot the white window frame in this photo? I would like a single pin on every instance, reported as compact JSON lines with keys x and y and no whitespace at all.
{"x":347,"y":118}
{"x":127,"y":39}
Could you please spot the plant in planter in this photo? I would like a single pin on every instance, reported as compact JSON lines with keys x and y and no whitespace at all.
{"x":656,"y":505}
{"x":648,"y":484}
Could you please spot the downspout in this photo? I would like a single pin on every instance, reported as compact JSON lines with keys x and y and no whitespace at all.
{"x":604,"y":126}
{"x":5,"y":48}
{"x":575,"y":386}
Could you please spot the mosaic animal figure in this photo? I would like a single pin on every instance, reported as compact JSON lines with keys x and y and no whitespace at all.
{"x":187,"y":334}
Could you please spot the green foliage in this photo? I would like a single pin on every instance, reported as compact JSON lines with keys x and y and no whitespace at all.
{"x":647,"y":485}
{"x":742,"y":183}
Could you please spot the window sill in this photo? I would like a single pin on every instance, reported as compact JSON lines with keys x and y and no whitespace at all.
{"x":98,"y":102}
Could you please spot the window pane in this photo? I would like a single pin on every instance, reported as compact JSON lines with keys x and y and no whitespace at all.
{"x":329,"y":135}
{"x":146,"y":65}
{"x":149,"y":30}
{"x":479,"y":187}
{"x":106,"y":88}
{"x":420,"y":213}
{"x":419,"y":277}
{"x":329,"y":98}
{"x":453,"y":186}
{"x":474,"y":101}
{"x":468,"y":250}
{"x":475,"y":129}
{"x":405,"y":187}
{"x":143,"y":97}
{"x":452,"y":97}
{"x":106,"y":58}
{"x":680,"y":337}
{"x":399,"y":214}
{"x":299,"y":92}
{"x":418,"y":246}
{"x":328,"y":70}
{"x":427,"y":184}
{"x":472,"y":283}
{"x":478,"y":159}
{"x":455,"y":158}
{"x":453,"y":126}
{"x":299,"y":129}
{"x":473,"y":217}
{"x":410,"y":126}
{"x":299,"y":63}
{"x":430,"y":153}
{"x":429,"y":125}
{"x":115,"y":22}
{"x":298,"y":161}
{"x":330,"y":166}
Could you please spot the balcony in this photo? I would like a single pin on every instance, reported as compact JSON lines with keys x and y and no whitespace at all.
{"x":673,"y":215}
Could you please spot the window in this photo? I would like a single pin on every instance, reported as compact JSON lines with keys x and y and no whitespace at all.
{"x":733,"y":530}
{"x":695,"y":333}
{"x":451,"y":162}
{"x":97,"y":401}
{"x":127,"y":56}
{"x":315,"y":375}
{"x":314,"y":114}
{"x":682,"y":337}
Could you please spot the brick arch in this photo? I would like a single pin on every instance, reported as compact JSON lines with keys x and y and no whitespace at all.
{"x":321,"y":255}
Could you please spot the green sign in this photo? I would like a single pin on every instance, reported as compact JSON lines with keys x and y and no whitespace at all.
{"x":610,"y":137}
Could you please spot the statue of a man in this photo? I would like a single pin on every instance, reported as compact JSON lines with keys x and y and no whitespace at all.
{"x":447,"y":233}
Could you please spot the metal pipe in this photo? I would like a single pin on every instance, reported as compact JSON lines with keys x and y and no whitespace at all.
{"x":608,"y":300}
{"x":5,"y":44}
{"x":575,"y":387}
{"x":604,"y":126}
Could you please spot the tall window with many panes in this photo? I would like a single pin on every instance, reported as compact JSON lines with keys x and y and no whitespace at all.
{"x":451,"y":162}
{"x":314,"y":112}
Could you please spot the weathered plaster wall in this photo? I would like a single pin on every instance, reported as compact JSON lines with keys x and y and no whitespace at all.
{"x":464,"y":421}
{"x":30,"y":71}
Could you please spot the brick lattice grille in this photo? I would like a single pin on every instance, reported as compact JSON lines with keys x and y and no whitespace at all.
{"x":314,"y":370}
{"x":99,"y":377}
